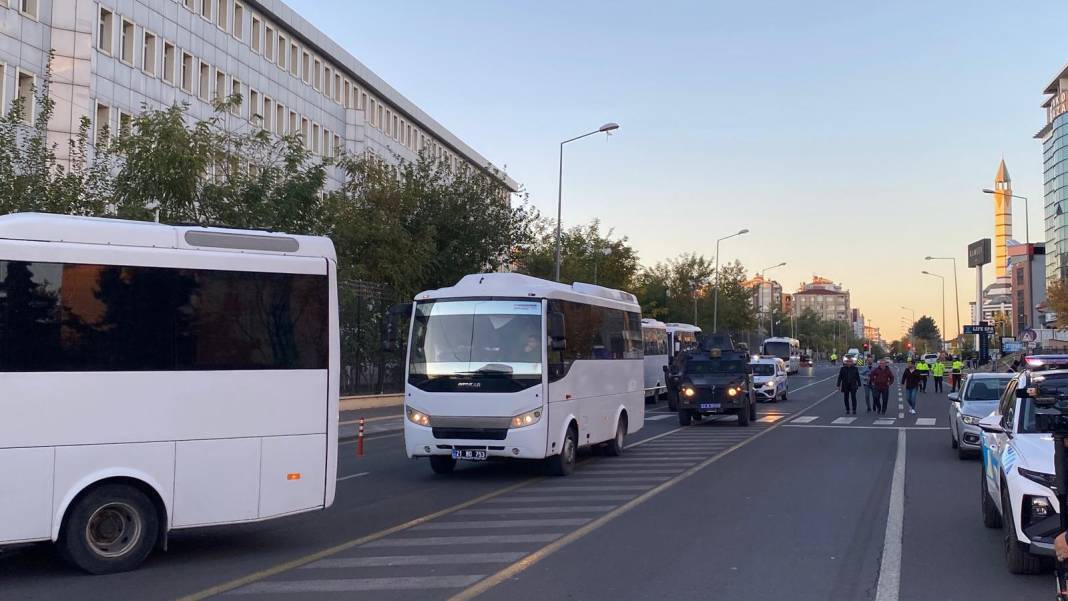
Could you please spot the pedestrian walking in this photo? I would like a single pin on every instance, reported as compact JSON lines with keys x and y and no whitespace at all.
{"x":938,"y":371}
{"x":911,"y":379}
{"x":848,"y":383}
{"x":925,"y":370}
{"x":865,"y":380}
{"x":881,"y":378}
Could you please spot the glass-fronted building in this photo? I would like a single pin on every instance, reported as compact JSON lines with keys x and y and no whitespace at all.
{"x":1054,"y":137}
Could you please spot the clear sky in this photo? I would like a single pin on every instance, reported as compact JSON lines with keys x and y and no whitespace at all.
{"x":852,"y":138}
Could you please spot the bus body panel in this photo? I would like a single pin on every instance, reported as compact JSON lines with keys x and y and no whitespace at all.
{"x":333,"y":391}
{"x":291,"y":476}
{"x":597,"y":392}
{"x":26,"y":494}
{"x":216,"y":481}
{"x":653,"y":370}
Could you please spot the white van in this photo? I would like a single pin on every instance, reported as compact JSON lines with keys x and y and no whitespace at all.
{"x":770,"y":379}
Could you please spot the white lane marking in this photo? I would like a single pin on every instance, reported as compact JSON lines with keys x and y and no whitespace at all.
{"x":771,"y":418}
{"x":351,"y":476}
{"x":518,"y":510}
{"x":805,"y":419}
{"x":485,"y":539}
{"x":888,"y":587}
{"x":843,"y":427}
{"x":925,"y":421}
{"x":884,"y":421}
{"x":844,"y":420}
{"x":556,"y":489}
{"x":542,"y":523}
{"x":593,"y":479}
{"x":339,"y":585}
{"x":555,"y":498}
{"x":653,"y":418}
{"x":414,"y":560}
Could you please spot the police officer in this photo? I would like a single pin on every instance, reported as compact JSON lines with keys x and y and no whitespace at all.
{"x":925,"y":370}
{"x":954,"y":376}
{"x":938,"y":371}
{"x":834,"y":358}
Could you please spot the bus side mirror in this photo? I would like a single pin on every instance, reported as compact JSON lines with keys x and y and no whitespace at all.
{"x":390,"y":335}
{"x":556,"y":331}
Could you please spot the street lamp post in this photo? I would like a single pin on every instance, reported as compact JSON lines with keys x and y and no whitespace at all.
{"x":956,"y":293}
{"x":943,"y":279}
{"x":607,"y":127}
{"x":771,"y":301}
{"x":912,"y":327}
{"x":601,"y":252}
{"x":715,"y":294}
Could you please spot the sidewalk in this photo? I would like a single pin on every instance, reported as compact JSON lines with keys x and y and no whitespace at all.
{"x":353,"y":403}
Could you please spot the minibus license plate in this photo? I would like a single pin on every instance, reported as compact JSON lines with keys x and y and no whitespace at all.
{"x":469,"y":454}
{"x":710,"y":405}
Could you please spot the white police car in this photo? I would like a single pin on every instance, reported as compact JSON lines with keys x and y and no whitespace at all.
{"x":769,"y":378}
{"x":1017,"y":474}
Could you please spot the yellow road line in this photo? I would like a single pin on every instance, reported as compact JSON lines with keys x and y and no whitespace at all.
{"x":528,"y":561}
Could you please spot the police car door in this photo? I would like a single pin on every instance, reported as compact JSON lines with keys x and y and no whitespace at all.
{"x":997,"y":447}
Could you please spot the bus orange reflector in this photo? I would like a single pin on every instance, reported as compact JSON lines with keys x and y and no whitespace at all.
{"x":295,"y":476}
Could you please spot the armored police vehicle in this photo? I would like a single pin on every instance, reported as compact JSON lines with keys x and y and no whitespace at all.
{"x":713,"y":382}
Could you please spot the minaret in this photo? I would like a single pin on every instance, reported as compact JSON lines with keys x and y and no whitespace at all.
{"x":1002,"y":219}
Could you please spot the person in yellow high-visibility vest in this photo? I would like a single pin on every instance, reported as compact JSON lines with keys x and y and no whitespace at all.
{"x":925,"y":370}
{"x":938,"y":371}
{"x":958,"y":369}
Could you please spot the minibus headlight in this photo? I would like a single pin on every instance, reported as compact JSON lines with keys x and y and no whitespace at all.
{"x":526,"y":419}
{"x":417,"y":417}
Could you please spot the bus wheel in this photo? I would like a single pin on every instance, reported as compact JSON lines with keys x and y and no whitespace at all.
{"x":564,"y":463}
{"x":111,"y":529}
{"x":614,"y":447}
{"x":442,"y":464}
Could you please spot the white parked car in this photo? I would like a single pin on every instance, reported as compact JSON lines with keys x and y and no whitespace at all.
{"x":978,"y":398}
{"x":1017,"y":474}
{"x":930,"y":358}
{"x":769,"y":378}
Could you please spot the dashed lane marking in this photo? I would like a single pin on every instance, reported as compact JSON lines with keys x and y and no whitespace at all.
{"x":805,"y":419}
{"x":413,"y":560}
{"x":844,"y":420}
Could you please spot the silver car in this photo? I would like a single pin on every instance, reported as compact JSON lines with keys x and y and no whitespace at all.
{"x":978,"y":397}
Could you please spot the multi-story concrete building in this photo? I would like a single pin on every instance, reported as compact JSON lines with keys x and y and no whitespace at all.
{"x":1054,"y":137}
{"x":1027,"y":273}
{"x":113,"y":57}
{"x":767,"y":294}
{"x":823,"y":296}
{"x":856,"y":321}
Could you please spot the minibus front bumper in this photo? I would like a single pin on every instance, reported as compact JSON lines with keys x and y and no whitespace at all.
{"x":514,"y":443}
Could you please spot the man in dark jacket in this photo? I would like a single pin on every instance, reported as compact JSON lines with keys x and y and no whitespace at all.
{"x":848,"y":383}
{"x":912,"y":379}
{"x":881,"y":378}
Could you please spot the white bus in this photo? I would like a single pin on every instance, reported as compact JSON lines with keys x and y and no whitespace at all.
{"x":681,"y":337}
{"x":787,"y":349}
{"x":156,"y":377}
{"x":655,"y":347}
{"x":504,"y":365}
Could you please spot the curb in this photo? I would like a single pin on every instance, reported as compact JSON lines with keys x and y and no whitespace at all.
{"x":353,"y":403}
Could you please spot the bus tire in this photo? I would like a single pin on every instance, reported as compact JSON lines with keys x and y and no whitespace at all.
{"x":110,"y":529}
{"x":685,"y":418}
{"x":614,"y":447}
{"x":563,"y":463}
{"x":442,"y":464}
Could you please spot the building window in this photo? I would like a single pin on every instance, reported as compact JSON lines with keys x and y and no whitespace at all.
{"x":294,"y":124}
{"x":268,"y":43}
{"x":326,"y":142}
{"x":305,"y":132}
{"x":255,"y":116}
{"x":279,"y":119}
{"x":168,"y":62}
{"x":378,"y":115}
{"x":125,"y":123}
{"x":186,"y":80}
{"x":220,"y":86}
{"x":283,"y":52}
{"x":205,"y":82}
{"x":268,"y":113}
{"x":337,"y":88}
{"x":24,"y":95}
{"x":257,"y":26}
{"x":222,"y":15}
{"x":305,"y":66}
{"x":337,"y":145}
{"x":317,"y":74}
{"x":205,"y":9}
{"x":235,"y":90}
{"x":148,"y":55}
{"x":239,"y":21}
{"x":363,"y":101}
{"x":326,"y":83}
{"x":105,"y":31}
{"x":396,"y":134}
{"x":191,"y":5}
{"x":347,"y":95}
{"x":316,"y":142}
{"x":102,"y":123}
{"x":294,"y":59}
{"x":126,"y":51}
{"x":28,"y":8}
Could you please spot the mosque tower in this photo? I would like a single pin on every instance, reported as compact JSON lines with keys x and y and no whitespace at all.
{"x":1002,"y":219}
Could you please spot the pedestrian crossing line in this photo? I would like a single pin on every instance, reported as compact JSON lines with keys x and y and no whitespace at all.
{"x":901,"y":415}
{"x":885,"y":421}
{"x":844,"y":420}
{"x":521,"y":510}
{"x":770,"y":418}
{"x":556,"y":489}
{"x":805,"y":419}
{"x":653,"y":418}
{"x":351,"y":585}
{"x":484,"y":539}
{"x":413,"y":560}
{"x":636,"y":472}
{"x":614,"y":478}
{"x":555,"y":498}
{"x":485,"y":524}
{"x":925,"y":421}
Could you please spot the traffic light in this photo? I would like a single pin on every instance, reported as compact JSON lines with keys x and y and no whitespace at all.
{"x":865,"y":346}
{"x":908,"y":345}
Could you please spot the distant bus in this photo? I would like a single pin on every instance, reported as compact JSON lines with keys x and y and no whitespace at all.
{"x":787,"y":349}
{"x":655,"y":345}
{"x":503,"y":365}
{"x":681,"y":337}
{"x":155,"y":377}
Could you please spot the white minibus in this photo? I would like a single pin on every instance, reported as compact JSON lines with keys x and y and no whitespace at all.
{"x":787,"y":349}
{"x":503,"y":365}
{"x":155,"y":377}
{"x":655,"y":347}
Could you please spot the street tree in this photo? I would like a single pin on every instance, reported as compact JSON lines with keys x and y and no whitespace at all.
{"x":926,"y":333}
{"x":1057,"y":299}
{"x":586,"y":255}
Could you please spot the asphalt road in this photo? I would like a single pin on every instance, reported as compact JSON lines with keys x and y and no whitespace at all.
{"x":794,"y":507}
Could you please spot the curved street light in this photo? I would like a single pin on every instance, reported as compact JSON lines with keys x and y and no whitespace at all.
{"x":715,"y":302}
{"x":956,"y":292}
{"x":771,"y":302}
{"x":935,"y":275}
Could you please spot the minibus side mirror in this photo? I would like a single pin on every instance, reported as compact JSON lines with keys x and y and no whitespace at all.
{"x":556,"y":331}
{"x":394,"y":317}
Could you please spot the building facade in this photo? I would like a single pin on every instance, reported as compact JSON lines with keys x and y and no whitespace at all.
{"x":824,"y":297}
{"x":766,"y":294}
{"x":1054,"y":137}
{"x":1027,"y":274}
{"x":112,"y":58}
